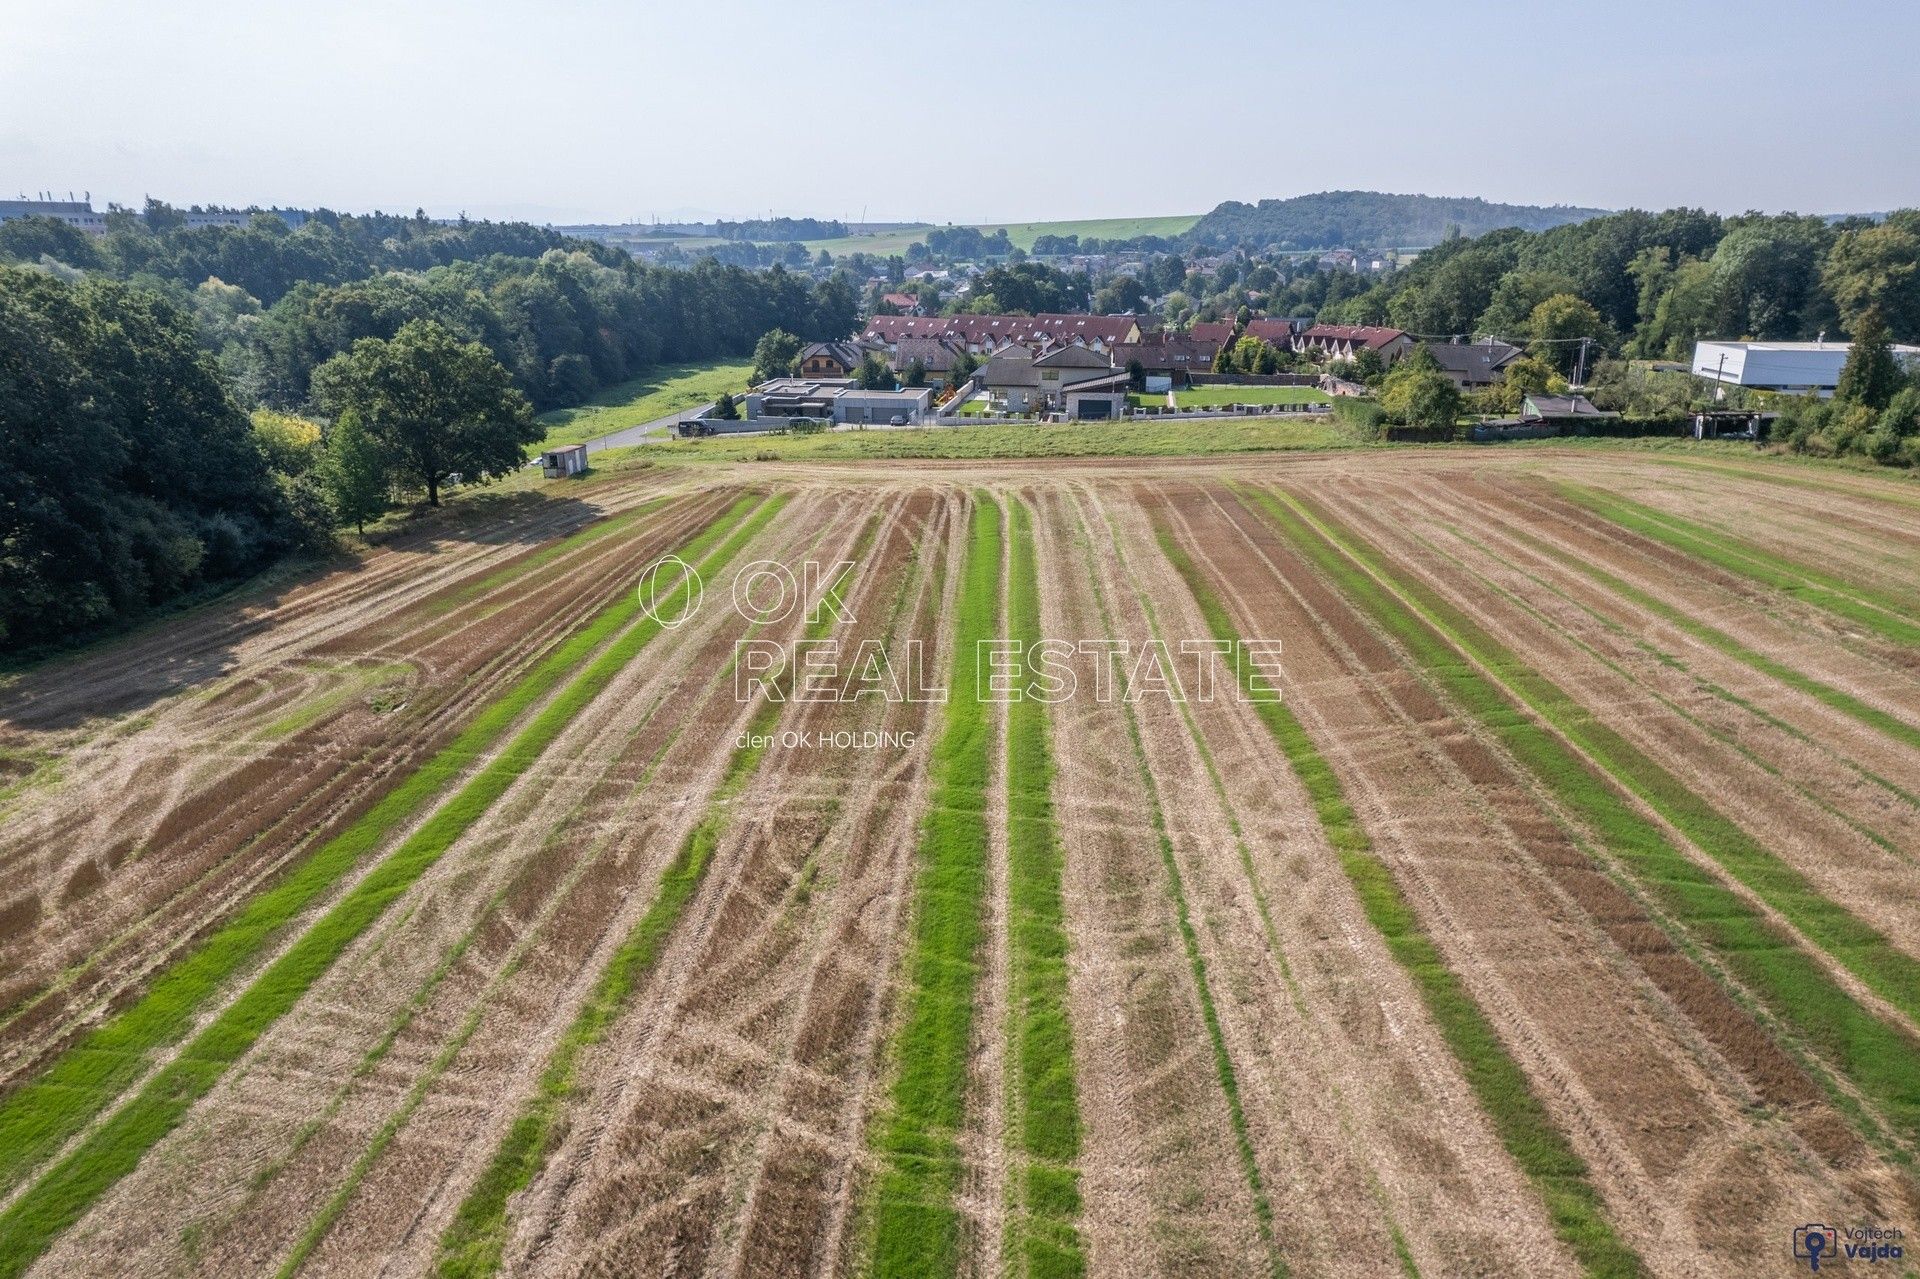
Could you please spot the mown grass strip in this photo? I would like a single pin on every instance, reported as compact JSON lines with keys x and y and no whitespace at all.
{"x":917,"y":1229}
{"x":1875,"y":1056}
{"x":1881,"y":613}
{"x":1558,"y":1175}
{"x":84,"y":1081}
{"x":1044,"y":1242}
{"x":1847,"y":704}
{"x":475,"y":1241}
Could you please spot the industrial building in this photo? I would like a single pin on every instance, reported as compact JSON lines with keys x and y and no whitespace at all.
{"x":1796,"y":368}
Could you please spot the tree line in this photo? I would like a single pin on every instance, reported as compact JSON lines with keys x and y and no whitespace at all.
{"x":165,"y":433}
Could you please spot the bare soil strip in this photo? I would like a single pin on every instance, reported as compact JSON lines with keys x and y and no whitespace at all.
{"x":239,"y":832}
{"x":664,"y":1171}
{"x":117,"y":1054}
{"x":1746,"y":1051}
{"x":1345,"y":1038}
{"x":323,"y":1105}
{"x":1164,"y":1185}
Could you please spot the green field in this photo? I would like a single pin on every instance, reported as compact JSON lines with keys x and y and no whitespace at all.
{"x":1024,"y":234}
{"x":669,"y":388}
{"x":1142,"y":438}
{"x":1207,"y":397}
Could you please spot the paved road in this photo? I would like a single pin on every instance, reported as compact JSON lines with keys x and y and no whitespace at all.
{"x":628,"y":435}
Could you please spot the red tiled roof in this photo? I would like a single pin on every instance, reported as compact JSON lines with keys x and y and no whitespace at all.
{"x":1217,"y":331}
{"x":1272,"y":332}
{"x":1000,"y":329}
{"x":1373,"y":337}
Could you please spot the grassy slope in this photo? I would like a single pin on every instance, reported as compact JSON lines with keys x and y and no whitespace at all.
{"x":670,"y":388}
{"x":85,"y":1080}
{"x":916,"y":1136}
{"x":1044,"y":1114}
{"x":1557,"y":1174}
{"x":1875,"y":1056}
{"x":1014,"y":440}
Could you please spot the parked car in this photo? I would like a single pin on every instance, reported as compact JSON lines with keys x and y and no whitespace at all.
{"x":896,"y":420}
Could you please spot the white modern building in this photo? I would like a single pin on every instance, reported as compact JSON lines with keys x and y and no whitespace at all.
{"x":1793,"y":367}
{"x":78,"y":214}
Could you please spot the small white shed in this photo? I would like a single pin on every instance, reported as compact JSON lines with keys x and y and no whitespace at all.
{"x":570,"y":459}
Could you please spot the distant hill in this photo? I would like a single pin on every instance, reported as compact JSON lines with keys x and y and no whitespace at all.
{"x":1370,"y":219}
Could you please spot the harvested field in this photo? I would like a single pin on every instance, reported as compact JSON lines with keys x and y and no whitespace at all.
{"x":1420,"y":863}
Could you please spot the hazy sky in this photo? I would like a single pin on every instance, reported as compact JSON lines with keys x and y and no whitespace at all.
{"x":571,"y":110}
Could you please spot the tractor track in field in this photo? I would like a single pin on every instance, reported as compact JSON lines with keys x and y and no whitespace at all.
{"x":824,"y":847}
{"x":494,"y":889}
{"x":1617,"y":1068}
{"x":1267,"y":1075}
{"x":1845,"y":865}
{"x":1529,"y":519}
{"x":1351,"y":1049}
{"x":187,"y":883}
{"x":630,"y":1190}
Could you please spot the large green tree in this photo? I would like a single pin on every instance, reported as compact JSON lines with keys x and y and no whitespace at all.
{"x":128,"y":474}
{"x":354,"y":473}
{"x":436,"y":405}
{"x":1870,"y":376}
{"x":1417,"y":393}
{"x":774,"y":355}
{"x":1556,"y":325}
{"x":1878,"y":269}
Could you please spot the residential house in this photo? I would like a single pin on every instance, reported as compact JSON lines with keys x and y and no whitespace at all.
{"x":986,"y":334}
{"x":904,"y":303}
{"x":936,"y":355}
{"x":837,"y":400}
{"x":1218,"y":332}
{"x":1345,"y":341}
{"x":1026,"y":381}
{"x":830,"y":359}
{"x":1173,"y":355}
{"x":1474,"y":366}
{"x":1277,"y":332}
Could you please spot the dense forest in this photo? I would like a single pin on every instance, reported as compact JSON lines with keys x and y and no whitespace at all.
{"x":1656,"y":282}
{"x":1368,"y":219}
{"x":132,"y":362}
{"x":128,"y":473}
